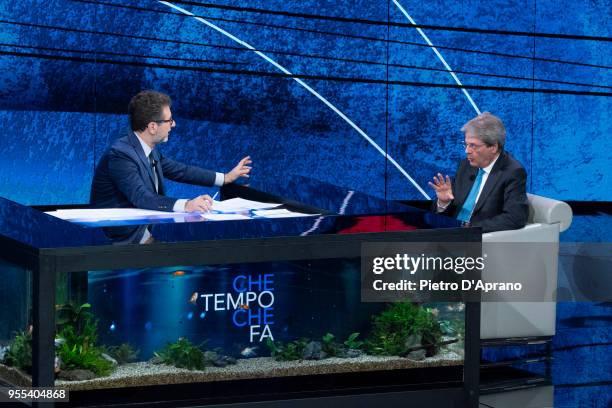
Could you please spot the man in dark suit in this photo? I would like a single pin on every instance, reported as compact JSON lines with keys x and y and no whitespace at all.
{"x":488,"y":190}
{"x":132,"y":172}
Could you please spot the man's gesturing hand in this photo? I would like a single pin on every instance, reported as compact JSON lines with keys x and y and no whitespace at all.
{"x":444,"y":189}
{"x":241,"y":170}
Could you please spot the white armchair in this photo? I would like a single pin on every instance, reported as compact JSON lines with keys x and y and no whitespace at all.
{"x":534,"y":265}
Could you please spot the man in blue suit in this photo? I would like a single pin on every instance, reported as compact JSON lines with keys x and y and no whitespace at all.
{"x":488,"y":190}
{"x":132,"y":172}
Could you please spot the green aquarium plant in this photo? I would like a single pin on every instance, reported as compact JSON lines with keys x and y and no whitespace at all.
{"x":352,"y":343}
{"x":81,"y":356}
{"x":394,"y":330}
{"x":76,"y":316}
{"x":330,"y":346}
{"x":183,"y":354}
{"x":123,"y":353}
{"x":78,"y":334}
{"x":19,"y":353}
{"x":287,"y":352}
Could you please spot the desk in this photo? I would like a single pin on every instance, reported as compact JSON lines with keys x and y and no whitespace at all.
{"x":309,"y":257}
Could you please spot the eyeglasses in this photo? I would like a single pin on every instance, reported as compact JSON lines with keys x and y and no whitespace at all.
{"x":165,"y":121}
{"x":472,"y":146}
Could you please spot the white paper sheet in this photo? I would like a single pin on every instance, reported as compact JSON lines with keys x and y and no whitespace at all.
{"x":267,"y":213}
{"x":224,"y":217}
{"x":240,"y":204}
{"x":228,"y":207}
{"x":94,"y":214}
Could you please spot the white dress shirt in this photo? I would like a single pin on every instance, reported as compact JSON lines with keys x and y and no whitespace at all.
{"x":485,"y":176}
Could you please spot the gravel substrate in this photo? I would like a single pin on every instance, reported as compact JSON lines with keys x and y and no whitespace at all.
{"x":144,"y":373}
{"x":15,"y":376}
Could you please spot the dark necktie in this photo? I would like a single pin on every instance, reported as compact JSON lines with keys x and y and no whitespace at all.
{"x":154,"y":168}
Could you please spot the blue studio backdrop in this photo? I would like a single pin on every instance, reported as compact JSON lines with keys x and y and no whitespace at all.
{"x":347,"y":92}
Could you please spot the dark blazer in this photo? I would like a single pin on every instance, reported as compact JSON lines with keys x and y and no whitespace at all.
{"x":124,"y":177}
{"x":502,"y":205}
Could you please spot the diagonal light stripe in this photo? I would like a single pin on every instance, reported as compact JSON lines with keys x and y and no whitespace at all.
{"x":307,"y":87}
{"x":440,"y":57}
{"x":345,"y":202}
{"x":342,"y":210}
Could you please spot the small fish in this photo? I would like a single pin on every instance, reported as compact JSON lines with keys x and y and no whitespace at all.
{"x":59,"y":341}
{"x":3,"y":351}
{"x":434,"y":312}
{"x":57,"y":364}
{"x":249,"y":352}
{"x":190,"y":315}
{"x":202,"y":315}
{"x":178,"y":273}
{"x":245,"y":307}
{"x":194,"y":298}
{"x":113,"y":326}
{"x":459,"y":307}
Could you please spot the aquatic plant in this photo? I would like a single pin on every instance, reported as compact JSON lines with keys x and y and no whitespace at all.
{"x":331,"y":347}
{"x":287,"y":352}
{"x":83,"y":356}
{"x":19,"y":353}
{"x":85,"y":334}
{"x":70,"y":314}
{"x":78,"y":329}
{"x":395,"y":328}
{"x":183,"y":354}
{"x":123,"y":353}
{"x":352,"y":343}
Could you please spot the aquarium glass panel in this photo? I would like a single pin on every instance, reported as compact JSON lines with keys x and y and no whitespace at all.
{"x":245,"y":321}
{"x":15,"y":324}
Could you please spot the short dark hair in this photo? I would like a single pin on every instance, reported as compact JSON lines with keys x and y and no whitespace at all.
{"x":146,"y":107}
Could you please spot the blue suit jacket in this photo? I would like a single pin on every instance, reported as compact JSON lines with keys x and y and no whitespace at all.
{"x":124,"y":177}
{"x":502,"y":205}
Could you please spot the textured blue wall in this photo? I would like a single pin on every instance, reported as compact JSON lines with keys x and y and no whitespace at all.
{"x":69,"y":68}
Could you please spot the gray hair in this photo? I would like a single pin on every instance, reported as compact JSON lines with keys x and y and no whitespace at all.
{"x":488,"y":128}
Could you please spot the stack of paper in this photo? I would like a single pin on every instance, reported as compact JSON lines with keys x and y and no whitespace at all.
{"x":233,"y":209}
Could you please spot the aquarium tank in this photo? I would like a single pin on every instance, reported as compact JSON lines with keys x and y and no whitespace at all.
{"x":233,"y":321}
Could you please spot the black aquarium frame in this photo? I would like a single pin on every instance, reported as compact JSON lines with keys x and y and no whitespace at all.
{"x":424,"y":387}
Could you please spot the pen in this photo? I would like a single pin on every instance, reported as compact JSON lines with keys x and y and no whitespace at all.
{"x":215,"y":196}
